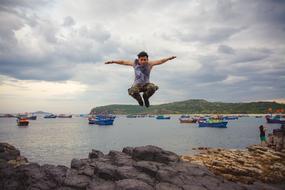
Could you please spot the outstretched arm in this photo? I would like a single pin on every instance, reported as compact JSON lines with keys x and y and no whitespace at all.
{"x":121,"y":62}
{"x":161,"y":61}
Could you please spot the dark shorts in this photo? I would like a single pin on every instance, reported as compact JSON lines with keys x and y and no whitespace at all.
{"x":137,"y":88}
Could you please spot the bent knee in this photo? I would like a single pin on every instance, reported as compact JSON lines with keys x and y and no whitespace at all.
{"x":132,"y":91}
{"x":152,"y":87}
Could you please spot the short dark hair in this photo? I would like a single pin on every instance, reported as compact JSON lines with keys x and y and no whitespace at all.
{"x":142,"y":54}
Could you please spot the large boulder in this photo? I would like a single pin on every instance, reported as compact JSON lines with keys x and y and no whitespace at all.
{"x":153,"y":153}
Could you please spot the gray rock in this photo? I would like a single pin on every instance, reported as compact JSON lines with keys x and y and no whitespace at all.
{"x":55,"y":173}
{"x":129,"y":172}
{"x":87,"y":170}
{"x":128,"y":150}
{"x":147,"y":167}
{"x":105,"y":185}
{"x":166,"y":186}
{"x":193,"y":187}
{"x":76,"y":163}
{"x":73,"y":179}
{"x":120,"y":158}
{"x":132,"y":184}
{"x":95,"y":154}
{"x":106,"y":171}
{"x":153,"y":153}
{"x":141,"y":168}
{"x":9,"y":155}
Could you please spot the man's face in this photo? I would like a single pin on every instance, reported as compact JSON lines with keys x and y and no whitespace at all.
{"x":143,"y":60}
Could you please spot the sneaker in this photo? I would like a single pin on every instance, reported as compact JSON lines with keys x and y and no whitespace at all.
{"x":140,"y":102}
{"x":146,"y":101}
{"x":138,"y":98}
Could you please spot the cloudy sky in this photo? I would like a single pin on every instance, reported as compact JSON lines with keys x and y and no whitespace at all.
{"x":52,"y":53}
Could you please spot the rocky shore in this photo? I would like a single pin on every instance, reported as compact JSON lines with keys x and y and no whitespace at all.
{"x":139,"y":168}
{"x":245,"y":166}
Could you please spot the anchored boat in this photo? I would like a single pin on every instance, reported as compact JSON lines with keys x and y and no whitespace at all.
{"x":276,"y":119}
{"x":162,"y":117}
{"x":22,"y":122}
{"x":213,"y":123}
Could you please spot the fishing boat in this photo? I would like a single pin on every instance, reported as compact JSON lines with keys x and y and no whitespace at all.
{"x":188,"y":120}
{"x":131,"y":116}
{"x":162,"y":117}
{"x":230,"y":117}
{"x":6,"y":115}
{"x":33,"y":117}
{"x":102,"y":121}
{"x":64,"y":116}
{"x":22,"y":122}
{"x":50,"y":116}
{"x":104,"y":117}
{"x":184,"y":116}
{"x":213,"y":123}
{"x":276,"y":119}
{"x":201,"y":119}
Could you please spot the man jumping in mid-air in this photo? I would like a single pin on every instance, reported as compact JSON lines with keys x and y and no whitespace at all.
{"x":142,"y":67}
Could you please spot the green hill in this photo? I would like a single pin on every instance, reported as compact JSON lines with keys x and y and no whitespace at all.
{"x":192,"y":106}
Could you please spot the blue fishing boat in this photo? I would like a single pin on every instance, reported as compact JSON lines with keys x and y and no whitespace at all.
{"x":215,"y":124}
{"x":162,"y":117}
{"x":105,"y":117}
{"x":101,"y":121}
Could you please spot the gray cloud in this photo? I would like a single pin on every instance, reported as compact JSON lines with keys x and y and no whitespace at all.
{"x":68,"y":21}
{"x":226,"y":50}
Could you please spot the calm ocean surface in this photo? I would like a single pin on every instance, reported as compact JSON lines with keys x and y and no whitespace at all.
{"x":57,"y":141}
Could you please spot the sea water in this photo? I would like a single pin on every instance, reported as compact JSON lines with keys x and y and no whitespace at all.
{"x":57,"y":141}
